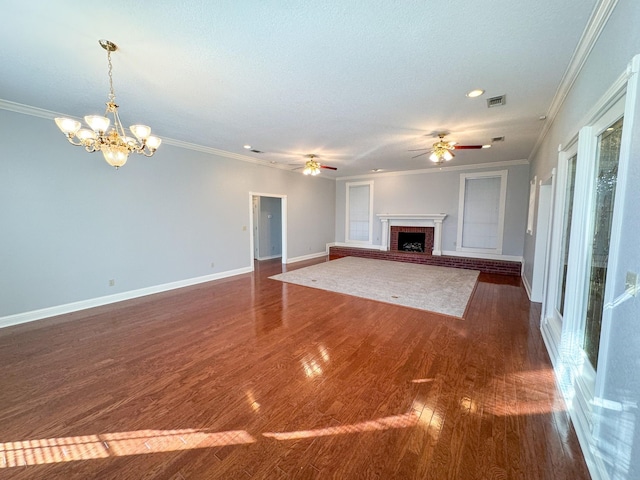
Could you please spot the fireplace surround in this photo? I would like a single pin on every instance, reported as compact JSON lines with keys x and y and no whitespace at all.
{"x":423,"y":220}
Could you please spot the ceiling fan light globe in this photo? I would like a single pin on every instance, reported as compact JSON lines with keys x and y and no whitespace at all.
{"x":447,"y":155}
{"x":434,"y":157}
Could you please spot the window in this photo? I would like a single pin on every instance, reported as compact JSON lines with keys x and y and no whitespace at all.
{"x":359,"y":201}
{"x":481,"y":211}
{"x":602,"y":202}
{"x":532,"y":205}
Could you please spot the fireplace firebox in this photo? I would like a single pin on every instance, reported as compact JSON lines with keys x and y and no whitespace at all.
{"x":411,"y":241}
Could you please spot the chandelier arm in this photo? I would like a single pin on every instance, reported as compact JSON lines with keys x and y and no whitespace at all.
{"x":71,"y":137}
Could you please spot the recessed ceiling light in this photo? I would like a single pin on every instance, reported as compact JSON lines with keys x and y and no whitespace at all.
{"x":248,"y":147}
{"x":376,"y":169}
{"x":475,"y":93}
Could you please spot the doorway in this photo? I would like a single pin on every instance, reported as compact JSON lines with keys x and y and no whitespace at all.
{"x":542,"y":239}
{"x":268,"y":221}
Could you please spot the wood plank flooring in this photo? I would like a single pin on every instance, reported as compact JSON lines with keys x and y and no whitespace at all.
{"x":251,"y":378}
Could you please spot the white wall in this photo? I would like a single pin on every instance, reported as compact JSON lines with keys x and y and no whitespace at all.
{"x":438,"y":192}
{"x":617,"y":420}
{"x":70,"y":222}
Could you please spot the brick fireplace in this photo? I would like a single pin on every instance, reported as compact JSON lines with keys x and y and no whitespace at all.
{"x":414,"y":222}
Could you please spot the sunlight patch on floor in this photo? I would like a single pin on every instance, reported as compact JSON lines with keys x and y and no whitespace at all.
{"x":396,"y":421}
{"x":90,"y":447}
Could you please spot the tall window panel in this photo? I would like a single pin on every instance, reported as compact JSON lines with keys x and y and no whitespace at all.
{"x":481,"y":212}
{"x":602,"y":216}
{"x":359,"y":212}
{"x":566,"y":233}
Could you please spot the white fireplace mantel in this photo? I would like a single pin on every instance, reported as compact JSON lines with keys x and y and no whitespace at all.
{"x":412,"y":220}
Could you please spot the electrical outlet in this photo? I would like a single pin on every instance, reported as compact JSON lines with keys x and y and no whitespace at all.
{"x":631,"y":283}
{"x":112,"y":282}
{"x":244,"y":228}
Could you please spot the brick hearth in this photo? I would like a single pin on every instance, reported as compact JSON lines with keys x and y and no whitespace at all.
{"x":502,"y":267}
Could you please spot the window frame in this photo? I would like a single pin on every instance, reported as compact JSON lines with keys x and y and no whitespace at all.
{"x":502,"y":174}
{"x":347,"y":229}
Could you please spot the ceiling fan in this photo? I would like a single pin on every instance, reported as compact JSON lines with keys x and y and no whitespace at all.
{"x":312,"y":166}
{"x":442,"y":151}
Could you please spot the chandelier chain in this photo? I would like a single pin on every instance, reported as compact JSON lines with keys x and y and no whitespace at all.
{"x":112,"y":95}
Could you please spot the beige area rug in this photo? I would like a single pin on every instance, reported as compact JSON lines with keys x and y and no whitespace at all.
{"x":426,"y":287}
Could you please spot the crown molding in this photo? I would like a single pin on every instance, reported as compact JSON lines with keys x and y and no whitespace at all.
{"x":599,"y":17}
{"x":475,"y":166}
{"x":29,"y":110}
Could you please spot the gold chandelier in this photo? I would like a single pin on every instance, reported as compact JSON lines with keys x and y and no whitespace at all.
{"x":114,"y":144}
{"x":311,"y":167}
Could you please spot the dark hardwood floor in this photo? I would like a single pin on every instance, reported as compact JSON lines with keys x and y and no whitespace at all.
{"x":249,"y":377}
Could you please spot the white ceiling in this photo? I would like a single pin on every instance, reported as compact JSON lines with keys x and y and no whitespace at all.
{"x":357,"y":82}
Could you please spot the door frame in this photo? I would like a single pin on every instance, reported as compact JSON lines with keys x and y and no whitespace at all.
{"x":583,"y":390}
{"x":283,"y":209}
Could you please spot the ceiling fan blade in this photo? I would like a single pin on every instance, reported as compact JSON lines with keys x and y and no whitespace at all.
{"x":466,"y":147}
{"x":418,"y":149}
{"x":421,"y":154}
{"x":329,"y":168}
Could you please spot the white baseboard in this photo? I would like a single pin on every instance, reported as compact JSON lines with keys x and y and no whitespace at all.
{"x":527,"y":287}
{"x":269,"y":258}
{"x":311,"y":256}
{"x":34,"y":315}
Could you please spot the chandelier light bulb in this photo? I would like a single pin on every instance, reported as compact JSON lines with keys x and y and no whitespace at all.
{"x":68,"y":125}
{"x":153,"y":142}
{"x":97,"y":123}
{"x":141,"y":132}
{"x":85,"y":135}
